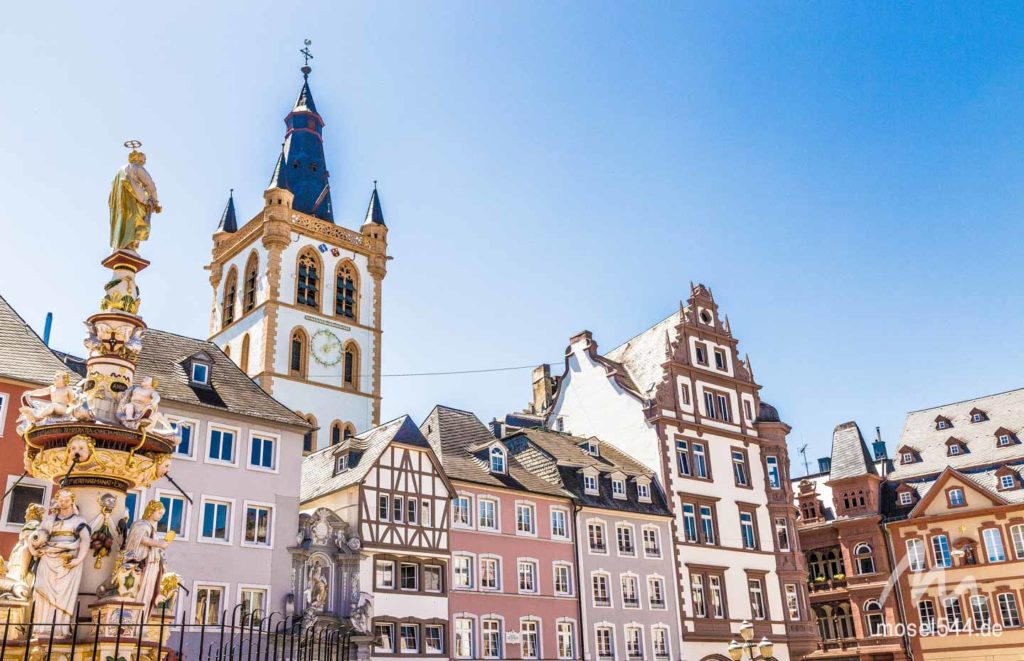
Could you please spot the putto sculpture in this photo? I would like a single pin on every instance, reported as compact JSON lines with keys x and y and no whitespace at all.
{"x":58,"y":401}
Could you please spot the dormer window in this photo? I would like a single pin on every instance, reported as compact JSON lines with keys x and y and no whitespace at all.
{"x":619,"y":489}
{"x":907,"y":458}
{"x":643,"y":492}
{"x":341,"y":463}
{"x":1006,"y":482}
{"x":955,"y":447}
{"x":497,"y":456}
{"x":592,"y":449}
{"x":942,"y":422}
{"x":200,"y":374}
{"x":1004,"y":437}
{"x":589,"y":484}
{"x":908,"y":455}
{"x":906,"y":497}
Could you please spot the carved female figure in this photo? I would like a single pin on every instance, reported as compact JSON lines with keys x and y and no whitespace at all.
{"x":59,"y":572}
{"x":144,"y":546}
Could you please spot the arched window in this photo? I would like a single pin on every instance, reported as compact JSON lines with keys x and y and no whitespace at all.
{"x":243,"y":360}
{"x":228,"y":304}
{"x":307,"y":279}
{"x":349,"y":432}
{"x":227,"y":350}
{"x":834,"y":562}
{"x":873,"y":618}
{"x":297,"y":353}
{"x":497,"y":460}
{"x":336,"y":436}
{"x":346,"y":291}
{"x":864,"y":558}
{"x":350,"y":368}
{"x":249,"y":287}
{"x":309,"y":438}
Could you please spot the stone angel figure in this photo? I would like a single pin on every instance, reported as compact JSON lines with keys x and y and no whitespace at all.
{"x":132,"y":202}
{"x":59,"y":400}
{"x":140,"y":406}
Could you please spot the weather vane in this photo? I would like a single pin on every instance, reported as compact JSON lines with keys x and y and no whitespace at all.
{"x":305,"y":51}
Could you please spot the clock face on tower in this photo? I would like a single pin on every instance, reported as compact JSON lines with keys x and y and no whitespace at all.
{"x":326,"y":348}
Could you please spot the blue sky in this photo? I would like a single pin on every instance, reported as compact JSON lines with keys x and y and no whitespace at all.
{"x":846,"y":178}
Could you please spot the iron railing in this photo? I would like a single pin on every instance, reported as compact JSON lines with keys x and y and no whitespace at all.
{"x":232,"y":636}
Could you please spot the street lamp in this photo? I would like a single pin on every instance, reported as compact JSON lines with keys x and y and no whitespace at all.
{"x":765,"y":647}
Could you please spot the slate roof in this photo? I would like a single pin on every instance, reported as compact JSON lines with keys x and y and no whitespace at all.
{"x":1002,"y":410}
{"x":374,"y":214}
{"x":228,"y":220}
{"x":318,"y":478}
{"x":305,"y":99}
{"x":642,"y":356}
{"x":461,"y":442}
{"x":850,"y":455}
{"x":549,"y":453}
{"x":165,"y":355}
{"x":23,"y":356}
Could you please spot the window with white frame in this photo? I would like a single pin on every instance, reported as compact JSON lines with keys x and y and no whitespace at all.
{"x":994,"y":545}
{"x":410,"y":638}
{"x":926,"y":615}
{"x":488,"y":519}
{"x":941,"y":552}
{"x":490,"y":638}
{"x":425,"y":512}
{"x":462,"y":572}
{"x":527,"y":571}
{"x":956,"y":497}
{"x":747,"y":530}
{"x":757,"y":609}
{"x":1004,"y":439}
{"x":643,"y":492}
{"x":461,"y":511}
{"x":263,"y":452}
{"x":599,"y":589}
{"x":774,"y":475}
{"x":216,"y":524}
{"x":596,"y":537}
{"x":565,"y":639}
{"x":184,"y":431}
{"x":385,"y":574}
{"x":529,"y":639}
{"x":253,"y":601}
{"x":906,"y":498}
{"x":526,"y":518}
{"x":209,"y":604}
{"x":605,"y":638}
{"x":697,"y":596}
{"x":559,"y":523}
{"x":915,"y":554}
{"x":1006,"y":482}
{"x":980,"y":612}
{"x":630,"y":591}
{"x":589,"y":484}
{"x":490,"y":574}
{"x":793,"y":601}
{"x":258,"y":524}
{"x":409,"y":576}
{"x":463,"y":646}
{"x":28,"y":491}
{"x":656,"y":592}
{"x":717,"y":597}
{"x":619,"y":489}
{"x":384,"y":638}
{"x":497,"y":455}
{"x":659,"y":641}
{"x":634,"y":642}
{"x":1017,"y":535}
{"x":624,"y":537}
{"x":652,"y":542}
{"x":221,"y":447}
{"x":131,"y":506}
{"x":175,"y":514}
{"x":383,"y":507}
{"x":739,"y":468}
{"x":200,"y":373}
{"x":4,"y":398}
{"x":954,"y":613}
{"x":398,"y":509}
{"x":433,"y":638}
{"x":432,"y":578}
{"x":412,"y":509}
{"x":563,"y":579}
{"x":782,"y":533}
{"x":873,"y":618}
{"x":1008,"y":612}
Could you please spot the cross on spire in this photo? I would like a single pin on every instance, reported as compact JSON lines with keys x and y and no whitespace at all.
{"x":306,"y":54}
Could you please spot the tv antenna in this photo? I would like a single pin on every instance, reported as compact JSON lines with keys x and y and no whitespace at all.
{"x":807,"y":466}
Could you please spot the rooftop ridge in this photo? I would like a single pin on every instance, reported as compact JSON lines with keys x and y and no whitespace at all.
{"x":964,"y":401}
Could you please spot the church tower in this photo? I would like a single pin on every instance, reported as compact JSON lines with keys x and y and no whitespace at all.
{"x":297,"y":298}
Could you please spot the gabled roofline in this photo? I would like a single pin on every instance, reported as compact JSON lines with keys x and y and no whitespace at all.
{"x":945,"y":476}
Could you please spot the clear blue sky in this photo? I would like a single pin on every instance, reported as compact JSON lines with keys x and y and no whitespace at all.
{"x":847,"y":178}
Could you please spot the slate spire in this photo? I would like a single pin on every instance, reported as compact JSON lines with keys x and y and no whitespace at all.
{"x":301,"y":167}
{"x":374,"y":214}
{"x":228,"y":219}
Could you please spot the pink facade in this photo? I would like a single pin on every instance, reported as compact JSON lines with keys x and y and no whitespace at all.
{"x":543,"y":617}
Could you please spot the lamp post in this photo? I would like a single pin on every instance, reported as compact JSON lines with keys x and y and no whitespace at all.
{"x":736,"y":649}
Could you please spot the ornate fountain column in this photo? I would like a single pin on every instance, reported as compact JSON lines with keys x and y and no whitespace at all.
{"x":95,"y":441}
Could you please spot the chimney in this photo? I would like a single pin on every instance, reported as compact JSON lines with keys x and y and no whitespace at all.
{"x":824,"y":464}
{"x":542,"y":388}
{"x":497,"y":428}
{"x":878,"y":446}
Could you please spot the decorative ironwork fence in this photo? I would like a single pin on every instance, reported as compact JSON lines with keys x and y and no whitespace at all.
{"x":230,"y":636}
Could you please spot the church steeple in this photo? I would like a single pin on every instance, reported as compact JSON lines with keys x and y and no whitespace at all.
{"x":301,"y":167}
{"x":228,"y":220}
{"x":374,"y":214}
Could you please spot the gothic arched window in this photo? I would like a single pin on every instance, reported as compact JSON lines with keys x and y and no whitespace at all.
{"x":350,"y":369}
{"x":243,"y":360}
{"x":349,"y":432}
{"x":249,"y":286}
{"x":335,"y":432}
{"x":346,"y":292}
{"x":297,"y":353}
{"x":309,"y":438}
{"x":228,"y":304}
{"x":864,"y":558}
{"x":307,"y":279}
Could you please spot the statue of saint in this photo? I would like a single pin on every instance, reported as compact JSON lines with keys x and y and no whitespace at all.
{"x":132,"y":201}
{"x":59,"y":572}
{"x":146,"y":548}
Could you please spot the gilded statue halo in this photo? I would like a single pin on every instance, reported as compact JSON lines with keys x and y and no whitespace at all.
{"x":132,"y":144}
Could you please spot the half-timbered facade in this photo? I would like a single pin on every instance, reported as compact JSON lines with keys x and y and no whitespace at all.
{"x":388,"y":485}
{"x":680,"y":399}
